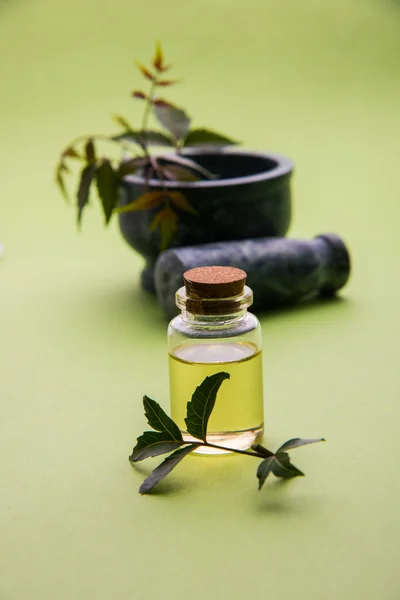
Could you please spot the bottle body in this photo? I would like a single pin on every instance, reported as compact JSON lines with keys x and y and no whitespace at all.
{"x":200,"y":346}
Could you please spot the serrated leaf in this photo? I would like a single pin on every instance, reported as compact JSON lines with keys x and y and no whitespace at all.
{"x":107,"y":187}
{"x":164,"y":215}
{"x":296,"y":442}
{"x":165,"y":468}
{"x":279,"y":464}
{"x":201,"y":405}
{"x":144,"y":202}
{"x":122,"y":122}
{"x":176,"y":173}
{"x":158,"y":60}
{"x":282,"y":467}
{"x":161,"y":102}
{"x":180,"y":201}
{"x":159,"y":420}
{"x":149,"y":137}
{"x":85,"y":182}
{"x":186,"y":163}
{"x":206,"y":137}
{"x":174,"y":119}
{"x":166,"y":82}
{"x":153,"y":443}
{"x":90,"y":151}
{"x":131,"y":165}
{"x":264,"y":469}
{"x":71,"y":153}
{"x":145,"y":71}
{"x":61,"y":183}
{"x":166,"y":220}
{"x":139,"y":95}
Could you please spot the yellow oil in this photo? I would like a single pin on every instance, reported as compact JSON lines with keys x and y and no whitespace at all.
{"x":238,"y":416}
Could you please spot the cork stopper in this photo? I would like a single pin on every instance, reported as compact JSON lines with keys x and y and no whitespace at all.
{"x":214,"y":282}
{"x":214,"y":291}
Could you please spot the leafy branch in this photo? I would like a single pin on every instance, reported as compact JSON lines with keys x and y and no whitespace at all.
{"x":106,"y":173}
{"x":167,"y":437}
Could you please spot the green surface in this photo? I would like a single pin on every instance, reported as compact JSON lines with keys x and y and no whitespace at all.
{"x":80,"y":343}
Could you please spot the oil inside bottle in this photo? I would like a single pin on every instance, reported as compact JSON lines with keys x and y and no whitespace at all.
{"x":238,"y":415}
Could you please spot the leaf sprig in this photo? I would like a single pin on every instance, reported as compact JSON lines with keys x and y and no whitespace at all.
{"x":137,"y":143}
{"x":167,"y":437}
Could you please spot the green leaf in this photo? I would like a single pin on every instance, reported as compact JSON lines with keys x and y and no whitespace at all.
{"x":166,"y":82}
{"x":131,"y":165}
{"x":70,"y":152}
{"x":90,"y":151}
{"x":107,"y":187}
{"x":159,"y":420}
{"x":185,"y":163}
{"x":296,"y":442}
{"x":144,"y":202}
{"x":201,"y":405}
{"x":139,"y":95}
{"x":180,"y":201}
{"x":166,"y":220}
{"x":264,"y":469}
{"x":176,"y":173}
{"x":61,"y":182}
{"x":206,"y":137}
{"x":158,"y":60}
{"x":148,"y":137}
{"x":153,"y":443}
{"x":85,"y":182}
{"x":164,"y":468}
{"x":174,"y":119}
{"x":282,"y":467}
{"x":279,"y":464}
{"x":145,"y":71}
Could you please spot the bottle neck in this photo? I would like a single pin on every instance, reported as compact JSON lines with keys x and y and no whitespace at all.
{"x":223,"y":321}
{"x":214,"y":312}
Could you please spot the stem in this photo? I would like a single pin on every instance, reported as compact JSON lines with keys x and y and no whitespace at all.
{"x":148,"y":107}
{"x":247,"y":452}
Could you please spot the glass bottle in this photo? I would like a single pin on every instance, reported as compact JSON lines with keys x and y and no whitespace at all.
{"x":214,"y":333}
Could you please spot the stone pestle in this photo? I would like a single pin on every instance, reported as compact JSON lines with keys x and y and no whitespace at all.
{"x":279,"y":270}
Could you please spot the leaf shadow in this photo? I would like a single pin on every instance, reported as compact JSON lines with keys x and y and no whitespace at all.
{"x":274,"y":499}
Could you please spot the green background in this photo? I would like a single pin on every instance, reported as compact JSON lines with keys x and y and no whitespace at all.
{"x":81,"y":343}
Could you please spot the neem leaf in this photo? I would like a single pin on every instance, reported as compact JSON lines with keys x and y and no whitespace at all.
{"x":264,"y":469}
{"x":149,"y":137}
{"x":166,"y":467}
{"x":158,"y":60}
{"x":60,"y":181}
{"x":180,"y":201}
{"x":166,"y":220}
{"x":139,"y":95}
{"x":71,"y":153}
{"x":201,"y":405}
{"x":107,"y":187}
{"x":166,"y":82}
{"x":145,"y":71}
{"x":144,"y":202}
{"x":159,"y":420}
{"x":174,"y":119}
{"x":90,"y":151}
{"x":153,"y":443}
{"x":85,"y":182}
{"x":282,"y":467}
{"x":206,"y":137}
{"x":279,"y":464}
{"x":186,"y":163}
{"x":296,"y":442}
